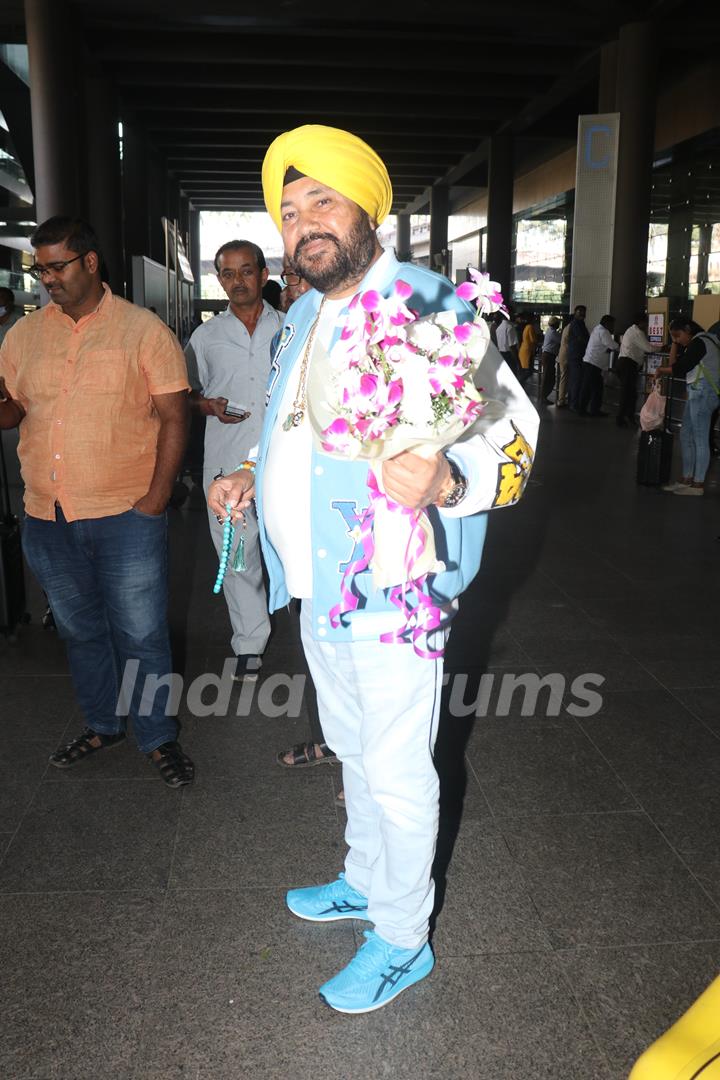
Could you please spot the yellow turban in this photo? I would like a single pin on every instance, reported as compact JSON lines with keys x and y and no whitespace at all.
{"x":333,"y":157}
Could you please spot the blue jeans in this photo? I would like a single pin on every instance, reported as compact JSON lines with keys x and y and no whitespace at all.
{"x":106,"y":582}
{"x":695,"y":432}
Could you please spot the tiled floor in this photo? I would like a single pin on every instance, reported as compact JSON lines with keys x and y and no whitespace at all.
{"x":145,"y":936}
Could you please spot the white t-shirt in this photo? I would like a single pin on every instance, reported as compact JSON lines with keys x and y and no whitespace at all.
{"x":506,"y":335}
{"x":599,"y":347}
{"x":636,"y":345}
{"x":286,"y":478}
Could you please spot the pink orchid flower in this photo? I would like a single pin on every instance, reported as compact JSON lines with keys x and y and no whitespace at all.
{"x":486,"y":293}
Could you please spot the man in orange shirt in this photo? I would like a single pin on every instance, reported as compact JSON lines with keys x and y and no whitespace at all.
{"x":98,"y":388}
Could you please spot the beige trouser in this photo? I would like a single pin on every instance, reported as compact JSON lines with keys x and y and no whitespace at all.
{"x":561,"y":398}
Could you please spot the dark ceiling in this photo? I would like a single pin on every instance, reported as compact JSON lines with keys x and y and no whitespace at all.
{"x":426,"y":84}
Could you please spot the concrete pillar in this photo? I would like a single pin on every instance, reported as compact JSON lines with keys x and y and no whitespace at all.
{"x":403,"y":248}
{"x":135,"y":185}
{"x":439,"y":205}
{"x":158,"y":206}
{"x":194,"y":254}
{"x":607,"y":87}
{"x":635,"y":101}
{"x":184,"y":218}
{"x":56,"y":108}
{"x":500,"y":212}
{"x":103,"y":200}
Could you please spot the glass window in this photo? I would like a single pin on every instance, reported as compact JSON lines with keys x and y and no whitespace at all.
{"x":540,"y":261}
{"x":657,"y":258}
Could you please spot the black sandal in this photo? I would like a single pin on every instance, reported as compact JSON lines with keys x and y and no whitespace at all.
{"x":81,"y":747}
{"x":174,"y":766}
{"x":304,"y":755}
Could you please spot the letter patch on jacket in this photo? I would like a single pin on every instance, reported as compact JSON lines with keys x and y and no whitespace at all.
{"x":349,"y":513}
{"x":513,"y":474}
{"x":286,"y":335}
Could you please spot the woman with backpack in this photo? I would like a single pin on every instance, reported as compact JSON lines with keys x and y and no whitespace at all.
{"x":699,"y":365}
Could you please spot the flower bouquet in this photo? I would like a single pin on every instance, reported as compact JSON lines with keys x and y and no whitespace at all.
{"x":393,"y":382}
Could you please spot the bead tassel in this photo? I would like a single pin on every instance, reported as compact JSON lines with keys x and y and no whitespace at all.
{"x":228,"y":537}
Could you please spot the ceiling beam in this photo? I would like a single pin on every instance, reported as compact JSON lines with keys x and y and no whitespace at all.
{"x":292,"y":80}
{"x":199,"y":155}
{"x":136,"y":57}
{"x":412,"y":107}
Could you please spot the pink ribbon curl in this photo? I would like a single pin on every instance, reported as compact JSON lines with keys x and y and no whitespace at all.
{"x":421,"y":614}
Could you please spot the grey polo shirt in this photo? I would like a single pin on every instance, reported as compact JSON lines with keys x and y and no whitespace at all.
{"x":225,"y":361}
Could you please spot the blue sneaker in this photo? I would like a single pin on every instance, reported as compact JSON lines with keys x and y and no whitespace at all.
{"x":327,"y":903}
{"x":377,"y":973}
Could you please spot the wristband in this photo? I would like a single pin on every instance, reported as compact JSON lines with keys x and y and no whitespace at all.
{"x":249,"y":465}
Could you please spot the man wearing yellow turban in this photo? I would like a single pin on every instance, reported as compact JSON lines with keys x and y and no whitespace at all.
{"x":379,"y":703}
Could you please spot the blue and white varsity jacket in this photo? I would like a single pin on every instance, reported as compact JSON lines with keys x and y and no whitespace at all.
{"x":496,"y":460}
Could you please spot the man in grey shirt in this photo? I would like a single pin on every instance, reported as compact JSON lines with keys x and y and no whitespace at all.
{"x":228,"y":362}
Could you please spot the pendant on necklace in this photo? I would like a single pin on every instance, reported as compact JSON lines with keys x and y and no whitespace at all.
{"x":293,"y":419}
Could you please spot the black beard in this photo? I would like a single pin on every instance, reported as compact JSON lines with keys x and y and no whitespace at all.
{"x":353,"y":255}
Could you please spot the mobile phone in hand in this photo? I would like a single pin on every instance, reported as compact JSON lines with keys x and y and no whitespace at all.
{"x":239,"y":411}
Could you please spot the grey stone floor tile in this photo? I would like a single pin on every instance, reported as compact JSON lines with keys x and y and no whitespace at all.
{"x":251,"y":832}
{"x":631,"y":996}
{"x":547,"y":766}
{"x":661,"y":644}
{"x":620,"y":671}
{"x":518,"y":691}
{"x":36,"y":707}
{"x":37,"y":652}
{"x":22,"y":767}
{"x":693,"y":832}
{"x":608,"y":879}
{"x":701,"y":671}
{"x":239,"y":746}
{"x":473,"y":645}
{"x":703,"y":702}
{"x":492,"y":1018}
{"x":581,"y":582}
{"x":461,"y":797}
{"x":121,"y":762}
{"x":665,"y":755}
{"x":485,"y":905}
{"x":94,"y":835}
{"x":550,"y":643}
{"x":224,"y":930}
{"x":630,"y":613}
{"x":258,"y":1016}
{"x":73,"y":983}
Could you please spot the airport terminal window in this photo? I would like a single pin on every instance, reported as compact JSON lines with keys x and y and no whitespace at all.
{"x":657,"y":258}
{"x":540,"y":261}
{"x":705,"y":259}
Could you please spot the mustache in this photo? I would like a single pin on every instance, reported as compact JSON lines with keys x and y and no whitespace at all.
{"x":310,"y":238}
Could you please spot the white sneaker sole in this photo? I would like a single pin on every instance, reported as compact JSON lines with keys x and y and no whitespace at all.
{"x":328,"y":918}
{"x":380,"y":1004}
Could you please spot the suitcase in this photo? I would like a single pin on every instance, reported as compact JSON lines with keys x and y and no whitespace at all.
{"x":12,"y":574}
{"x":654,"y":459}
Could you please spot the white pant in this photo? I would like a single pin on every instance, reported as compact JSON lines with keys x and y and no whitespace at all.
{"x":245,"y":592}
{"x":379,"y":707}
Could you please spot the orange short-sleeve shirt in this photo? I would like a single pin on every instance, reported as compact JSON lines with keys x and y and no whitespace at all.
{"x":89,"y":437}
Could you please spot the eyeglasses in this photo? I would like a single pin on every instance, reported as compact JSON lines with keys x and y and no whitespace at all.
{"x":290,"y":279}
{"x":38,"y":272}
